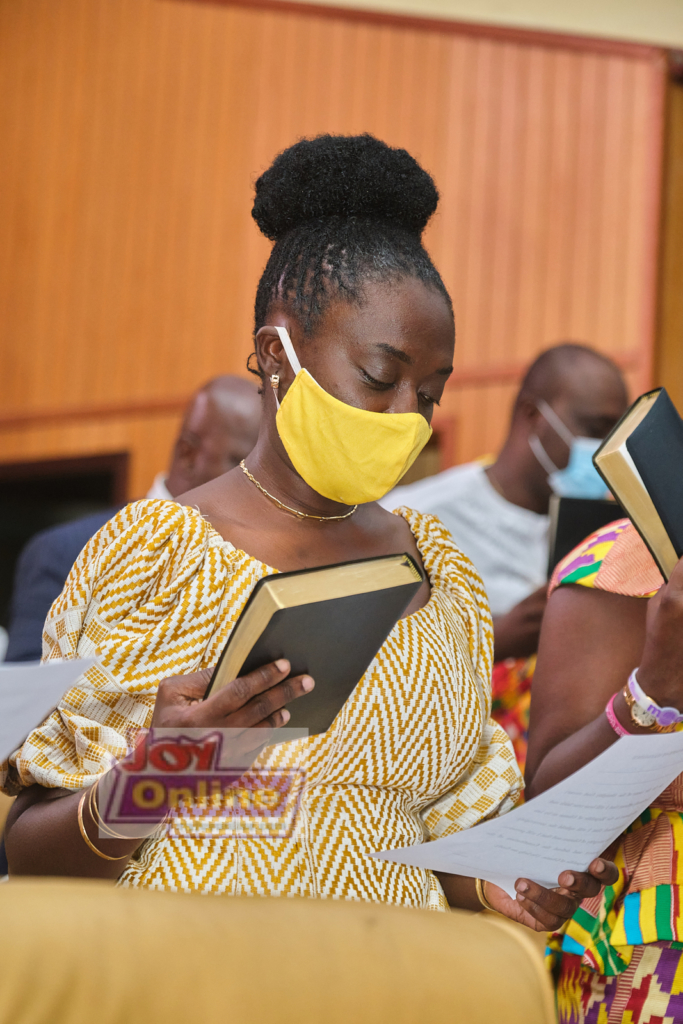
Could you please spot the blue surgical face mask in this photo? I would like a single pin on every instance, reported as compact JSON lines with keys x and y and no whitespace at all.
{"x":580,"y":478}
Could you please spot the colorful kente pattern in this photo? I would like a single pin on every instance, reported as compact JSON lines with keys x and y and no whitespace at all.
{"x":650,"y":990}
{"x":613,"y":558}
{"x":511,"y":687}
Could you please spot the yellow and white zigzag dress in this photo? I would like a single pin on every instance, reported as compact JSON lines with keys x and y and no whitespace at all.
{"x":413,"y":754}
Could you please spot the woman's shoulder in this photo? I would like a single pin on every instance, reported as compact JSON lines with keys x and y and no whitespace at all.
{"x":149,"y":525}
{"x":445,"y":563}
{"x":615,"y":559}
{"x":141,"y":514}
{"x":135,"y":569}
{"x":136,"y":541}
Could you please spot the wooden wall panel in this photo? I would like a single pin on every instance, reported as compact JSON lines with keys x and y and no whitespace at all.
{"x":148,"y":436}
{"x":132,"y":131}
{"x":669,"y":369}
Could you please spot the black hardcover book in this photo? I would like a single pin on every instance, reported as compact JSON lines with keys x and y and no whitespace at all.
{"x":328,"y":622}
{"x":574,"y":519}
{"x":641,"y":461}
{"x":656,"y":447}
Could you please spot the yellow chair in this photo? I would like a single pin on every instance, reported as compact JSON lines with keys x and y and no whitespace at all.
{"x":79,"y":952}
{"x":5,"y":804}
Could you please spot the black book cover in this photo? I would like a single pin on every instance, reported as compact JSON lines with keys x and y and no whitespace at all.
{"x":334,"y":641}
{"x":574,"y":519}
{"x":656,"y":447}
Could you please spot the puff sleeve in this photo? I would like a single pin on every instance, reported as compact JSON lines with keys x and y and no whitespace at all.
{"x":144,"y":597}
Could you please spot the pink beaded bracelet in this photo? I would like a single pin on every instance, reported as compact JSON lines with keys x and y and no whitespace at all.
{"x":613,"y":720}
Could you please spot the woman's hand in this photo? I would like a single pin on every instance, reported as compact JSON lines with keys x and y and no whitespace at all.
{"x":254,"y":701}
{"x":661,"y":666}
{"x":547,"y":909}
{"x":43,"y":836}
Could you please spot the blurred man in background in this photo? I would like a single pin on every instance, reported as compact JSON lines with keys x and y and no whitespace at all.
{"x":219,"y":429}
{"x":498,"y":513}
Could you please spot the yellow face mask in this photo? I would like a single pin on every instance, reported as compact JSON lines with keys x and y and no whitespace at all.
{"x":346,"y":454}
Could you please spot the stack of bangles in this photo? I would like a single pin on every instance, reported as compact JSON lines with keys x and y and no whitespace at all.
{"x":645,"y":712}
{"x":95,"y":815}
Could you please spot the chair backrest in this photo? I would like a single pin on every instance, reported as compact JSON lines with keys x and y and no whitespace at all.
{"x":77,"y":952}
{"x":5,"y":804}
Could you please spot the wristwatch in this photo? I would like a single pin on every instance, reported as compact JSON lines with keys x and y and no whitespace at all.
{"x":640,"y":716}
{"x":646,"y":712}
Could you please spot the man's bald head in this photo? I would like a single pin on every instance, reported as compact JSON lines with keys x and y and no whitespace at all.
{"x":568,"y":370}
{"x":219,"y":429}
{"x":585,"y":389}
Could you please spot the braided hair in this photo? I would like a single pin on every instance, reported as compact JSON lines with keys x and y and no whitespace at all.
{"x":342,"y":210}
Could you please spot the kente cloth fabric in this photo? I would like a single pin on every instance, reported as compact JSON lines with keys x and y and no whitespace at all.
{"x":644,"y":905}
{"x":649,"y":991}
{"x":411,"y":756}
{"x":614,"y":558}
{"x":511,"y":686}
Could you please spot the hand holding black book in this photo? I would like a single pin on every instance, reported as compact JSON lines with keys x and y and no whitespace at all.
{"x":329,"y":622}
{"x":641,"y":461}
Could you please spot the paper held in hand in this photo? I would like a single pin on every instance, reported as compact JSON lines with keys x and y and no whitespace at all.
{"x":28,"y":693}
{"x":564,"y":828}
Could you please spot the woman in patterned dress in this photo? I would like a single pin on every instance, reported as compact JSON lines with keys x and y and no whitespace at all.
{"x":620,"y":958}
{"x":413,"y":754}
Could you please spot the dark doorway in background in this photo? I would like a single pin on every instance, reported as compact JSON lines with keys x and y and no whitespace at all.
{"x":35,"y":495}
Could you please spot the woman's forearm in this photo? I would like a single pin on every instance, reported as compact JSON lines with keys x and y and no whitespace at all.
{"x":460,"y":891}
{"x":580,"y":748}
{"x":570,"y":755}
{"x":43,"y":837}
{"x":590,"y":641}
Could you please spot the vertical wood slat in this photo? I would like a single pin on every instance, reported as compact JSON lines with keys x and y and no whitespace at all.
{"x":132,"y":133}
{"x":669,"y":367}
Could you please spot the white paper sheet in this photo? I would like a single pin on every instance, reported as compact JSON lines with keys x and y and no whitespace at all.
{"x":28,"y":693}
{"x":565,"y":827}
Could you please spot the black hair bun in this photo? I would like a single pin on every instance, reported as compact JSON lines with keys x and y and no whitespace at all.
{"x":343,"y":176}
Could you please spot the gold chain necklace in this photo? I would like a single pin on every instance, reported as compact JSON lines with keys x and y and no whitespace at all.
{"x":281,"y":504}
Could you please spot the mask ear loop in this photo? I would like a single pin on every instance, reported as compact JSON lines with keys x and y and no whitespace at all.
{"x":293,"y":361}
{"x":541,"y":454}
{"x":289,"y":349}
{"x":560,"y":428}
{"x":551,"y":417}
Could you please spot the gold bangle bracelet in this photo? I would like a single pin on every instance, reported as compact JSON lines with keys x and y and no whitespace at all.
{"x":86,"y":837}
{"x":101,"y":823}
{"x":97,"y":817}
{"x":481,"y":896}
